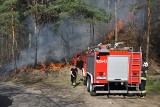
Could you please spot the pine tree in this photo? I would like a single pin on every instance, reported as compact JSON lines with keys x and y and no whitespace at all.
{"x":9,"y":23}
{"x":58,"y":11}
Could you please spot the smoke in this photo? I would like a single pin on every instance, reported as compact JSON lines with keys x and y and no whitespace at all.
{"x":124,"y":8}
{"x":54,"y":44}
{"x":58,"y":42}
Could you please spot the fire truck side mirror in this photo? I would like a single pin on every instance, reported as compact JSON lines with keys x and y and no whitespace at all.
{"x":98,"y":56}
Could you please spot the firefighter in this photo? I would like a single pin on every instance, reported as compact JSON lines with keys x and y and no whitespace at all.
{"x":80,"y":66}
{"x":74,"y":72}
{"x":143,"y":79}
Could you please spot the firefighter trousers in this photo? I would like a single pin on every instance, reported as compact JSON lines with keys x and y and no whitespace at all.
{"x":73,"y":79}
{"x":142,"y":87}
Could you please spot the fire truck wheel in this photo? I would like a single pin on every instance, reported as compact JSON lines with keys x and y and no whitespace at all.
{"x":92,"y":92}
{"x":88,"y":84}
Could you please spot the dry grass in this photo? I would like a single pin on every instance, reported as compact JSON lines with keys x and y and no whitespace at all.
{"x":154,"y":68}
{"x":153,"y":85}
{"x":35,"y":76}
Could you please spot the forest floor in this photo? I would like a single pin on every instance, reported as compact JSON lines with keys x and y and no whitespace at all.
{"x":56,"y":91}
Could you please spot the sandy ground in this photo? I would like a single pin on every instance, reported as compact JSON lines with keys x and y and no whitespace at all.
{"x":56,"y":95}
{"x":59,"y":94}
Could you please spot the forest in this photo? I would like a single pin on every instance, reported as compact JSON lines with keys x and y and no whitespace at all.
{"x":36,"y":31}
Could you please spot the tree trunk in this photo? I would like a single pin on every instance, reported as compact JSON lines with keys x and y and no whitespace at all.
{"x":93,"y":34}
{"x":36,"y":43}
{"x":36,"y":36}
{"x":116,"y":33}
{"x":30,"y":48}
{"x":108,"y":5}
{"x":90,"y":28}
{"x":13,"y":41}
{"x":66,"y":44}
{"x":148,"y":32}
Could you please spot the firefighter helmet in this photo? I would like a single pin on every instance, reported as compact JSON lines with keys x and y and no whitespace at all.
{"x":145,"y":64}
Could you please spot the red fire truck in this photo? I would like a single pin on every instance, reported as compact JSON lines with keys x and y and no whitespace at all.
{"x":112,"y":71}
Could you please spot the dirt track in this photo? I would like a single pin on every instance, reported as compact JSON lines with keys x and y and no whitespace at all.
{"x":57,"y":93}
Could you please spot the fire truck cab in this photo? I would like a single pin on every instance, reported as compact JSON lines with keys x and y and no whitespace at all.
{"x":114,"y":71}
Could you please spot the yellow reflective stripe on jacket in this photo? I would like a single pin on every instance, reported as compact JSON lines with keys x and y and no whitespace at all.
{"x":143,"y":78}
{"x":144,"y":91}
{"x":144,"y":71}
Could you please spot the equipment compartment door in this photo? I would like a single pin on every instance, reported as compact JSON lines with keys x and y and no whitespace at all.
{"x":118,"y":68}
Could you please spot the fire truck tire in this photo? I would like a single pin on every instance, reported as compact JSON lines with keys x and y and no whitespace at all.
{"x":92,"y":92}
{"x":88,"y":84}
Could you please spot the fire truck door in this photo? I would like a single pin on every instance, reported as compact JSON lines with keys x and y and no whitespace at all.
{"x":118,"y":68}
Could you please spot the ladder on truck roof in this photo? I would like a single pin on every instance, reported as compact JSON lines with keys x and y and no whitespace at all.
{"x":135,"y":68}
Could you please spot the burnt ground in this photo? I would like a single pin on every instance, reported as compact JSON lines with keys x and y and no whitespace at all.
{"x":58,"y":92}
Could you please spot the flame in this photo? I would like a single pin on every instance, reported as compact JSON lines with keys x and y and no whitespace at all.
{"x":44,"y":67}
{"x":120,"y":25}
{"x":53,"y":66}
{"x":41,"y":66}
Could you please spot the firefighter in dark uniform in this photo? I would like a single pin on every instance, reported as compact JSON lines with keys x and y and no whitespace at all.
{"x":80,"y":66}
{"x":143,"y":79}
{"x":74,"y":72}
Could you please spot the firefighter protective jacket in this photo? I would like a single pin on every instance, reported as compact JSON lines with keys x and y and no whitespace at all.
{"x":144,"y":73}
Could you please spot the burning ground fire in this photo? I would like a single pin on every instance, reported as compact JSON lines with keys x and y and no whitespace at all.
{"x":52,"y":66}
{"x":44,"y":67}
